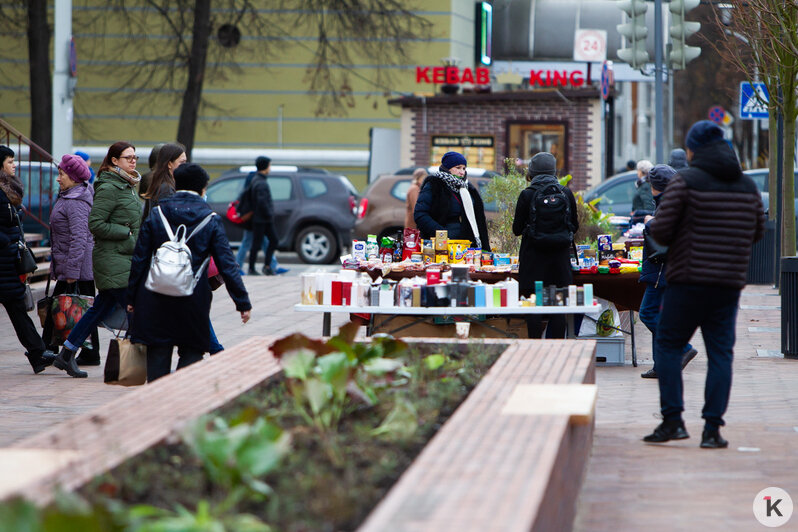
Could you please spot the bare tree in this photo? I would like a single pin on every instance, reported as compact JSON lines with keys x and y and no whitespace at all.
{"x":771,"y":29}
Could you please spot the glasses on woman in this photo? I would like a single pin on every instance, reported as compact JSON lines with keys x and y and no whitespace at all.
{"x":130,"y":158}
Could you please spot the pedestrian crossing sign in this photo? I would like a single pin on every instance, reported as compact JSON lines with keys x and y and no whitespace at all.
{"x":753,"y":101}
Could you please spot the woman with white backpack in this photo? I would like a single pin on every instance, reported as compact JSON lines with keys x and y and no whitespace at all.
{"x":168,"y":291}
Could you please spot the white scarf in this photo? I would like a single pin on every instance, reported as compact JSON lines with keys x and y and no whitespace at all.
{"x":460,"y":184}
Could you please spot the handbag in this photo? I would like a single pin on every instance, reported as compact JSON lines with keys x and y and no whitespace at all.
{"x":215,"y":279}
{"x":126,"y":363}
{"x":26,"y":261}
{"x":657,"y":253}
{"x":44,"y":305}
{"x":66,"y":311}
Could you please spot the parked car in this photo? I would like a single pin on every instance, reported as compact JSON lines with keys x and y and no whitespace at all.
{"x":616,"y":194}
{"x":41,"y":188}
{"x":314,"y":210}
{"x":381,"y":210}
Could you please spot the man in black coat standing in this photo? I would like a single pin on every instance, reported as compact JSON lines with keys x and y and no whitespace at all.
{"x":544,"y":257}
{"x":262,"y":217}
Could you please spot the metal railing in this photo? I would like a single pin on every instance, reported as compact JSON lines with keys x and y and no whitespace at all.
{"x":38,"y":172}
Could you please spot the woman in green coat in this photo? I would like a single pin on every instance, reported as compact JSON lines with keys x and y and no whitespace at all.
{"x":114,"y":222}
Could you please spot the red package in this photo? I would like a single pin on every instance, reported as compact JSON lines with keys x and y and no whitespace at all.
{"x":346,"y":293}
{"x":411,"y":242}
{"x":433,"y":277}
{"x":337,"y":290}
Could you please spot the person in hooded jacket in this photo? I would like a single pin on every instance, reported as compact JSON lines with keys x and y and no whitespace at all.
{"x":643,"y":201}
{"x":12,"y":287}
{"x":114,"y":222}
{"x":163,"y":322}
{"x":652,"y":273}
{"x":447,"y":201}
{"x":71,"y":244}
{"x":677,"y":159}
{"x":710,"y":218}
{"x":552,"y":265}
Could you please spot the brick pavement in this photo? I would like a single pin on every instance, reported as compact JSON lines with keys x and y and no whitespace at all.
{"x":628,"y":485}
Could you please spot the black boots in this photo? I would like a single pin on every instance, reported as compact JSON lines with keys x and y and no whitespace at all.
{"x":88,"y":358}
{"x":666,"y":431}
{"x":40,"y":361}
{"x":66,"y":361}
{"x":711,"y":439}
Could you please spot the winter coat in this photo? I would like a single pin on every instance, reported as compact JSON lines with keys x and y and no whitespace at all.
{"x":529,"y":255}
{"x":11,"y":288}
{"x":164,"y":191}
{"x":643,"y":200}
{"x":261,"y":198}
{"x":114,"y":221}
{"x":439,"y":208}
{"x":71,"y":240}
{"x":650,"y":272}
{"x":167,"y":320}
{"x":709,"y":219}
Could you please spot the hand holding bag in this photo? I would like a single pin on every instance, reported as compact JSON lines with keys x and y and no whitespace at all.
{"x":126,"y":363}
{"x":44,"y":305}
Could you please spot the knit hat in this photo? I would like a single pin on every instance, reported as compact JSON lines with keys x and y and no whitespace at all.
{"x":83,"y":155}
{"x":678,"y":159}
{"x":191,"y":176}
{"x":75,"y":167}
{"x":660,"y":175}
{"x":262,"y":163}
{"x":703,"y":132}
{"x":451,"y":159}
{"x":542,"y":163}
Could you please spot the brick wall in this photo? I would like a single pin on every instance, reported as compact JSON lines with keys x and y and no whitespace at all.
{"x":489,"y":114}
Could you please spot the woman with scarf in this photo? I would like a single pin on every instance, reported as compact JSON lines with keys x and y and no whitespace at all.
{"x":448,"y":201}
{"x":12,"y":288}
{"x":114,"y":222}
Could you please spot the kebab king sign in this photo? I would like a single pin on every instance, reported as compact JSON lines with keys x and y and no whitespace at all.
{"x":564,"y":77}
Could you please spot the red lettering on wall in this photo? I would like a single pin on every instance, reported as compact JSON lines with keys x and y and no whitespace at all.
{"x":534,"y":77}
{"x":576,"y":79}
{"x":438,"y":75}
{"x":468,"y":76}
{"x":556,"y":78}
{"x":451,"y":75}
{"x":483,"y":76}
{"x":560,"y":78}
{"x":422,"y":75}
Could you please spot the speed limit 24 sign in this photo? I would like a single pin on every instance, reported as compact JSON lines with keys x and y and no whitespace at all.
{"x":590,"y":46}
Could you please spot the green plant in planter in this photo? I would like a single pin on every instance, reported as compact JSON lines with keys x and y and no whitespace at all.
{"x":322,"y":377}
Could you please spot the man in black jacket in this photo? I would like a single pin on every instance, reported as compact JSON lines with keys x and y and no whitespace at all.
{"x":262,"y":217}
{"x":709,"y":219}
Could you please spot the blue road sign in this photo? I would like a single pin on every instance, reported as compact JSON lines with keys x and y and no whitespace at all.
{"x":753,"y":100}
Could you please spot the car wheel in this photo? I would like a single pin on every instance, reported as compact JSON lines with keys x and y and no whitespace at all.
{"x":316,"y":245}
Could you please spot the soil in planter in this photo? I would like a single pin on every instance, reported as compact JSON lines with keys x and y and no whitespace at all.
{"x":311,"y":493}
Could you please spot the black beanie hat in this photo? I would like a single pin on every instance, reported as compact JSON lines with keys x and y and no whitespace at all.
{"x":660,"y":175}
{"x":703,"y":132}
{"x":191,"y":176}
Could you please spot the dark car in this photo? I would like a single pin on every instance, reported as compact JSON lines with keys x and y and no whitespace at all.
{"x":41,"y":189}
{"x":382,"y":208}
{"x":615,"y":194}
{"x":314,"y":210}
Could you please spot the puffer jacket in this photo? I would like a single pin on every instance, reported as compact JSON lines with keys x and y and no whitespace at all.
{"x":114,"y":221}
{"x":71,"y":239}
{"x":709,"y":219}
{"x":11,"y":288}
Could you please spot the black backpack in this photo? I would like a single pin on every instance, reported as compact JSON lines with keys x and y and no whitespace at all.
{"x":549,"y":223}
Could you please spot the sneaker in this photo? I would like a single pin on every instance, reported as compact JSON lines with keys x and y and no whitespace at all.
{"x":666,"y":431}
{"x":688,"y":356}
{"x":280,"y":270}
{"x":650,"y":374}
{"x":711,"y":439}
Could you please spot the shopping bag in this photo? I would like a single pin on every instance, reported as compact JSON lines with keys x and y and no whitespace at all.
{"x":215,"y":279}
{"x":66,"y":310}
{"x":604,"y":322}
{"x":126,"y":363}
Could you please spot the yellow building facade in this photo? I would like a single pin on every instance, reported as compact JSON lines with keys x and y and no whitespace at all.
{"x":256,"y":97}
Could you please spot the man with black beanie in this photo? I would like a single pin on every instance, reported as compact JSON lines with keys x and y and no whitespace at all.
{"x":709,"y":219}
{"x":546,"y":244}
{"x":262,"y":217}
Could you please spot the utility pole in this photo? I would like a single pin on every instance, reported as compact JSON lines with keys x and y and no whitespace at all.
{"x":659,"y":126}
{"x":64,"y":76}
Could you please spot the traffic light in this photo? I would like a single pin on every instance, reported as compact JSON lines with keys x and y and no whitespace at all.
{"x":680,"y":30}
{"x":635,"y":32}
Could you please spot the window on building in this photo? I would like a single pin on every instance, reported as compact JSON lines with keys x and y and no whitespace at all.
{"x":528,"y":138}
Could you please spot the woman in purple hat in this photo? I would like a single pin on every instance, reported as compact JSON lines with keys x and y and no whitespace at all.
{"x":71,"y":246}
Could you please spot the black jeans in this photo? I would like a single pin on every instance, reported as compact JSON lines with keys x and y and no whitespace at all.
{"x":553,"y":267}
{"x":26,"y":331}
{"x":84,"y":288}
{"x":684,"y":309}
{"x":159,"y":359}
{"x":258,"y":230}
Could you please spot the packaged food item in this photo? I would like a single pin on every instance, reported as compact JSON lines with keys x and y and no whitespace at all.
{"x":359,"y":249}
{"x":442,"y":259}
{"x":433,"y":276}
{"x":636,"y":253}
{"x":387,"y":249}
{"x":604,"y":242}
{"x":441,"y":241}
{"x":372,"y":248}
{"x":308,"y":289}
{"x":417,"y":257}
{"x":428,"y":252}
{"x":487,"y":258}
{"x":411,"y":242}
{"x":457,"y":249}
{"x":501,"y":259}
{"x":468,"y":258}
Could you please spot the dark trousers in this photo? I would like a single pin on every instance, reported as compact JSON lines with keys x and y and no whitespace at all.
{"x":684,"y":309}
{"x":258,"y":231}
{"x":103,"y":305}
{"x":553,"y":267}
{"x":159,"y":359}
{"x":649,"y":315}
{"x":84,"y":288}
{"x":26,"y":331}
